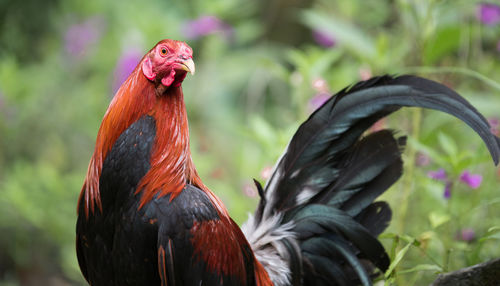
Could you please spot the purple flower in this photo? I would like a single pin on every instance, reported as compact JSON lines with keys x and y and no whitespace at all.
{"x":206,"y":25}
{"x":323,"y":39}
{"x":318,"y":100}
{"x":422,"y":160}
{"x":379,"y":125}
{"x":249,"y":190}
{"x":320,"y":85}
{"x":494,"y":125}
{"x":472,"y":180}
{"x":79,"y":38}
{"x":365,"y":73}
{"x":488,"y":14}
{"x":447,"y":190}
{"x":266,"y":172}
{"x":439,"y":175}
{"x":125,"y":66}
{"x":467,"y":235}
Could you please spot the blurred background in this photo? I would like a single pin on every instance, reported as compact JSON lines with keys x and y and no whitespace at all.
{"x":262,"y":67}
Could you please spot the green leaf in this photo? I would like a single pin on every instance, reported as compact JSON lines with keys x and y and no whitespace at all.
{"x":494,"y":229}
{"x":388,"y":235}
{"x":409,"y":239}
{"x":397,"y":259}
{"x":262,"y":130}
{"x":444,"y":41}
{"x":438,"y":219}
{"x":324,"y":62}
{"x":495,"y":236}
{"x":448,"y":145}
{"x":422,"y":267}
{"x":493,"y":233}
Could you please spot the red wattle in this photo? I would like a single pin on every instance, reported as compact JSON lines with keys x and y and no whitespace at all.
{"x":168,"y":79}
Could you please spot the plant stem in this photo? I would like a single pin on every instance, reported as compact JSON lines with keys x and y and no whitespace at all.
{"x":410,"y":168}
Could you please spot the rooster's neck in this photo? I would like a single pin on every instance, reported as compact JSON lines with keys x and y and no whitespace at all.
{"x":170,"y":161}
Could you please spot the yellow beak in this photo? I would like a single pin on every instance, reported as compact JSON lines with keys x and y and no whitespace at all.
{"x":188,"y":65}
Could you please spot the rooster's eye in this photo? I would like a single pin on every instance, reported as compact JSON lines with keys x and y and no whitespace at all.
{"x":164,"y":51}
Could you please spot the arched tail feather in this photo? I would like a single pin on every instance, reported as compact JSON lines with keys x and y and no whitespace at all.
{"x":317,"y":212}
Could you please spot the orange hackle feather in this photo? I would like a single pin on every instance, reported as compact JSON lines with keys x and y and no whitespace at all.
{"x":125,"y":108}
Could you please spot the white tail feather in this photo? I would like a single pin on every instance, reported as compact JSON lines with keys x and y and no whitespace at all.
{"x":266,"y":242}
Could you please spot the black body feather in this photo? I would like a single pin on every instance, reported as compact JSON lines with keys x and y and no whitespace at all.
{"x":125,"y":245}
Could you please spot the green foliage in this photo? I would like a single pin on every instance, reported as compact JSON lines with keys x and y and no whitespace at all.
{"x":250,"y":93}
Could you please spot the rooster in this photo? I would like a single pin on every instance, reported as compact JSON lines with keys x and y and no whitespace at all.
{"x":146,"y":218}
